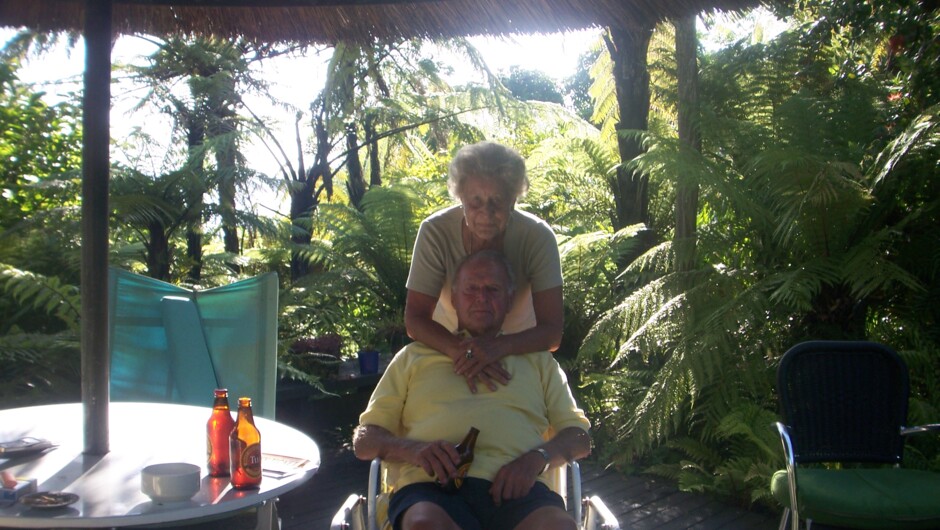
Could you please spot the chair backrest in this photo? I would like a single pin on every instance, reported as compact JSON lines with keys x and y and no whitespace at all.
{"x":844,"y":401}
{"x":169,"y":344}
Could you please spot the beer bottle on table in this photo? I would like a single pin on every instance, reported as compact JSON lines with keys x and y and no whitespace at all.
{"x":245,"y":448}
{"x":465,"y":450}
{"x":218,"y":429}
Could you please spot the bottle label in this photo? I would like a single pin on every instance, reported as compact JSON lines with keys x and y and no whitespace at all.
{"x":461,"y":474}
{"x":251,"y":460}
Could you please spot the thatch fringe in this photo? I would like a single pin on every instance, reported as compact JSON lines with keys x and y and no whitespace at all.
{"x":328,"y":21}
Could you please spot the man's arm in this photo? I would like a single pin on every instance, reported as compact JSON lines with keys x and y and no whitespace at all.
{"x":438,"y":458}
{"x":516,"y":478}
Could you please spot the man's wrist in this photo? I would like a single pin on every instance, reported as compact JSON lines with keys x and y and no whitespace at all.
{"x":548,"y":459}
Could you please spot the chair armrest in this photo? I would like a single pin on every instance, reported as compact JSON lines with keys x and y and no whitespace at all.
{"x":791,"y":473}
{"x":375,"y":475}
{"x":351,"y":509}
{"x":598,"y":515}
{"x":575,"y":470}
{"x":784,"y":433}
{"x":918,"y":429}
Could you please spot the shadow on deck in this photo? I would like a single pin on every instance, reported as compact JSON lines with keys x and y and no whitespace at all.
{"x":640,"y":503}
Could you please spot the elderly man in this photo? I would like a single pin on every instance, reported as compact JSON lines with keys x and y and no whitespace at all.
{"x":421,"y":409}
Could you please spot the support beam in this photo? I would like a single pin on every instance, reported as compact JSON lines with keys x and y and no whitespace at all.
{"x":96,"y":135}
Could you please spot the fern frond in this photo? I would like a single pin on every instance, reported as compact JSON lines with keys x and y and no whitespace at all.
{"x":922,"y":134}
{"x":43,"y":293}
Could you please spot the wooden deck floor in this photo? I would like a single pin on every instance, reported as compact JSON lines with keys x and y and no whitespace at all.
{"x":640,"y":503}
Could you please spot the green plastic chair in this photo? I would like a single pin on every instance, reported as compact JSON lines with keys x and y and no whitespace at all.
{"x":844,"y":407}
{"x":173,"y":345}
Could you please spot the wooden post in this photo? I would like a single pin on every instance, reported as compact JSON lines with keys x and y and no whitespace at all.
{"x":96,"y":107}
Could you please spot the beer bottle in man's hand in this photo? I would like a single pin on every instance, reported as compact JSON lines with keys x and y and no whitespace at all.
{"x":218,"y":429}
{"x":465,"y":450}
{"x":245,"y":447}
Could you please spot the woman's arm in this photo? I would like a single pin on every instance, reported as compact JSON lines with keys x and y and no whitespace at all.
{"x":419,"y":309}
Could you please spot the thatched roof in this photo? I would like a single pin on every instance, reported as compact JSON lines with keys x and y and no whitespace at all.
{"x":327,"y":21}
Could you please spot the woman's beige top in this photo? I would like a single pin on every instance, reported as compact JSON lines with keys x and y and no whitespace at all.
{"x":529,"y":244}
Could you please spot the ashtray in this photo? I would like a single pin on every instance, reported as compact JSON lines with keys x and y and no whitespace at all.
{"x":48,"y":499}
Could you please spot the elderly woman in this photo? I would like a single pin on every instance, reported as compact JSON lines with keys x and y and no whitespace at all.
{"x":487,"y":178}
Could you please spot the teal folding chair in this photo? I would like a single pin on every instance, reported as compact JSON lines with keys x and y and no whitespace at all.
{"x":173,"y":345}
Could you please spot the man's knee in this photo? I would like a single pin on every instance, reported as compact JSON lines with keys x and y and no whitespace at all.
{"x":427,"y":516}
{"x":548,"y":518}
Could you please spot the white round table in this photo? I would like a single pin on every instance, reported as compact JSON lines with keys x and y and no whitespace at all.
{"x":141,"y":434}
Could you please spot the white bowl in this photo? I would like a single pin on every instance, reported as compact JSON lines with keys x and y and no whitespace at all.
{"x":170,"y":482}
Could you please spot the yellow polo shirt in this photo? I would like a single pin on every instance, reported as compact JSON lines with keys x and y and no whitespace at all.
{"x":421,"y":398}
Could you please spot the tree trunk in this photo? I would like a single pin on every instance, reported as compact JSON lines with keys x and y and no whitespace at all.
{"x":194,"y":250}
{"x":195,"y":189}
{"x":304,"y":199}
{"x":689,"y":137}
{"x":628,"y":51}
{"x":158,"y":251}
{"x":375,"y":166}
{"x":223,"y":131}
{"x":355,"y":181}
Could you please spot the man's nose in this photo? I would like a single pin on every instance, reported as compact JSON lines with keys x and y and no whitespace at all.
{"x":481,"y":295}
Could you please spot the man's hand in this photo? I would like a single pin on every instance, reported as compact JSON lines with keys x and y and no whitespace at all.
{"x":483,"y":363}
{"x":438,"y":459}
{"x":515,"y":479}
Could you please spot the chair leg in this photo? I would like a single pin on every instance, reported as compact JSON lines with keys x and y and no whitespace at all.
{"x":784,"y":519}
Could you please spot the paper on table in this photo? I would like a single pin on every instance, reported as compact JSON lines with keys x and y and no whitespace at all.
{"x":278,"y":466}
{"x":24,"y":446}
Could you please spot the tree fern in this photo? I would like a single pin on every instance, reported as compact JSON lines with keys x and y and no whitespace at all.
{"x":39,"y":368}
{"x":43,"y":293}
{"x":803,"y":233}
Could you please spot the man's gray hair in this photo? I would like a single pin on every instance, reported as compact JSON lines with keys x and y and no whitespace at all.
{"x":492,"y":256}
{"x":489,"y":160}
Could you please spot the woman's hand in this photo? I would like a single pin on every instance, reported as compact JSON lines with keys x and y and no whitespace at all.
{"x":481,"y":360}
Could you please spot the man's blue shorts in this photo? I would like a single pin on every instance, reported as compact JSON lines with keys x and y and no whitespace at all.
{"x":472,"y":507}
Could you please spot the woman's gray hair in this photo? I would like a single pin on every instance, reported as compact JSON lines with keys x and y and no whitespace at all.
{"x":489,"y":160}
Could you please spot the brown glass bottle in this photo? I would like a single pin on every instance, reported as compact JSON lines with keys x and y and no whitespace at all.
{"x":465,"y":450}
{"x":218,"y":429}
{"x":245,"y":448}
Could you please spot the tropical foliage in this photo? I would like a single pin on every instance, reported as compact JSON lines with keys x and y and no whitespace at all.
{"x":813,"y":187}
{"x":816,"y":216}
